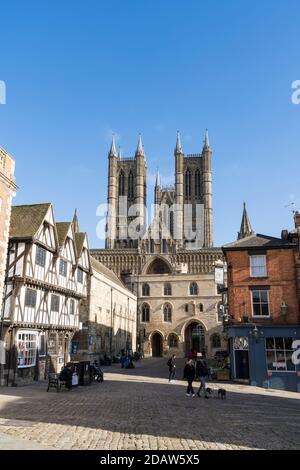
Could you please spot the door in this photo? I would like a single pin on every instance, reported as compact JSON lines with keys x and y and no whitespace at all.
{"x":241,"y":364}
{"x":156,"y":344}
{"x":241,"y":357}
{"x":194,"y":338}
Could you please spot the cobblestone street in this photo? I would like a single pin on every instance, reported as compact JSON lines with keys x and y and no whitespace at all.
{"x":139,"y":409}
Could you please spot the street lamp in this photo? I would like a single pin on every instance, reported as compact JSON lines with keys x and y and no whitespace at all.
{"x":284,"y":309}
{"x":255,"y":333}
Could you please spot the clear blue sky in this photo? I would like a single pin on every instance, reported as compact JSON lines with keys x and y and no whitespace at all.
{"x":77,"y":70}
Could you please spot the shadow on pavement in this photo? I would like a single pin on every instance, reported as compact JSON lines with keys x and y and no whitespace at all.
{"x":127,"y":404}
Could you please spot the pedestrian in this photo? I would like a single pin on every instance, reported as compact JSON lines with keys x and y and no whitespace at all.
{"x":203,"y":373}
{"x":172,"y":368}
{"x":189,"y":374}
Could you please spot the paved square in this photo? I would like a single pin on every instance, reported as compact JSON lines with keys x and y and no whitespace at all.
{"x":139,"y":409}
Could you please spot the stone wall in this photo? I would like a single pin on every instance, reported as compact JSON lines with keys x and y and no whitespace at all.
{"x":108,"y":318}
{"x":201,"y":309}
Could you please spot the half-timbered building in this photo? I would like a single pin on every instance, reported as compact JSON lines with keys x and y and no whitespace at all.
{"x":47,"y":274}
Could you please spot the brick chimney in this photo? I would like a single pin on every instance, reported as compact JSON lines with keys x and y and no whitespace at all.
{"x":284,"y":234}
{"x":297,"y":219}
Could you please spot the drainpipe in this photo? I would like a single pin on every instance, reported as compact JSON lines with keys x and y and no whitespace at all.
{"x":111,"y":319}
{"x":128,"y":323}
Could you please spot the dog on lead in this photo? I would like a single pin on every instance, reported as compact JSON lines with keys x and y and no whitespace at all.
{"x":222,"y":393}
{"x":208,"y":393}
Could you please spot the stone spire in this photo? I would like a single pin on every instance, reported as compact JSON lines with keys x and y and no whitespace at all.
{"x":120,"y":153}
{"x":178,"y":148}
{"x":206,"y":140}
{"x":246,"y":229}
{"x":140,"y":147}
{"x":75,"y":222}
{"x":113,"y":152}
{"x":157,"y":182}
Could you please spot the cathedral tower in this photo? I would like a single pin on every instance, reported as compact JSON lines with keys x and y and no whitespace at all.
{"x":126,"y":188}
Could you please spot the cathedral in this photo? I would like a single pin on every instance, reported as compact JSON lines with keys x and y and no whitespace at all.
{"x":170,"y":263}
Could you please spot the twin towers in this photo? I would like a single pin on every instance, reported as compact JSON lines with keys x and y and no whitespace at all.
{"x":127,"y":183}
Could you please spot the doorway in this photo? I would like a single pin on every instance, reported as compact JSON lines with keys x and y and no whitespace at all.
{"x":194,"y":338}
{"x":241,"y":364}
{"x":241,"y":357}
{"x":156,"y":345}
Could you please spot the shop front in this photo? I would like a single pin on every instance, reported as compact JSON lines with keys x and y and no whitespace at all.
{"x":265,"y":356}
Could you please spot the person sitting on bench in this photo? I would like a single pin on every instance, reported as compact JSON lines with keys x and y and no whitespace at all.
{"x":66,"y":376}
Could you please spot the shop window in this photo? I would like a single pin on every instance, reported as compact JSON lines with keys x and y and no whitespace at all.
{"x":27,"y":343}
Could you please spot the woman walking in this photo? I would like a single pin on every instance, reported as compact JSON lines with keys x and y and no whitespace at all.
{"x":172,"y":368}
{"x":189,"y":374}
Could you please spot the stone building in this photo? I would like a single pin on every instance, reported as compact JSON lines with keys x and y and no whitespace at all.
{"x":7,"y":192}
{"x":263,"y":321}
{"x":108,"y":316}
{"x":174,"y":253}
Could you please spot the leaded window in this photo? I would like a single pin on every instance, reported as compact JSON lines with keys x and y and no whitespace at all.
{"x":30,"y":298}
{"x":40,"y":256}
{"x":54,"y":303}
{"x":145,"y":313}
{"x":167,"y":313}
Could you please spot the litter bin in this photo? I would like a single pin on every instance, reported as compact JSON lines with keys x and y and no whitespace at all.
{"x":85,"y":374}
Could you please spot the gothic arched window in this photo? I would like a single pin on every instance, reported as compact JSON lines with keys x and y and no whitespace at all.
{"x":145,"y":290}
{"x":121,"y":183}
{"x":168,"y":313}
{"x":167,"y":289}
{"x":172,"y":223}
{"x":130,"y":186}
{"x":197,"y":184}
{"x":193,"y":289}
{"x":187,"y":184}
{"x":145,"y":313}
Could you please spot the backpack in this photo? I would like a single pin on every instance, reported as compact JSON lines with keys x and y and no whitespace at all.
{"x":169,"y":363}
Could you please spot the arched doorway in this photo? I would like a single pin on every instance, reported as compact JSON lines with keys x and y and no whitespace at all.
{"x":156,"y":345}
{"x":194,"y":337}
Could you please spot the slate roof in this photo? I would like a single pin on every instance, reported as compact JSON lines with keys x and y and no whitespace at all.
{"x":100,"y":268}
{"x":26,"y":220}
{"x":258,"y":241}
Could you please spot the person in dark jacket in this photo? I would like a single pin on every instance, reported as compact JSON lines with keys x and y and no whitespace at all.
{"x":189,"y":374}
{"x":66,"y":376}
{"x":203,"y":373}
{"x":172,"y":368}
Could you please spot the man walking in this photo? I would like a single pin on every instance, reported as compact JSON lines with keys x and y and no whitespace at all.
{"x":172,"y":368}
{"x":203,"y":373}
{"x":189,"y":374}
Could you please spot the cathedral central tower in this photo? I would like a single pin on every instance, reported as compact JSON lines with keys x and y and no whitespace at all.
{"x":189,"y":202}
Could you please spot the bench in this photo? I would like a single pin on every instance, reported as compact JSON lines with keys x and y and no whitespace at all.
{"x":54,"y":382}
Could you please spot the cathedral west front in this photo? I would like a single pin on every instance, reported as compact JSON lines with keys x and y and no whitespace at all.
{"x":170,"y":263}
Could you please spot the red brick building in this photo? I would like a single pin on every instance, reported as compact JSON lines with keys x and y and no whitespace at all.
{"x":262,"y":282}
{"x":263,"y":317}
